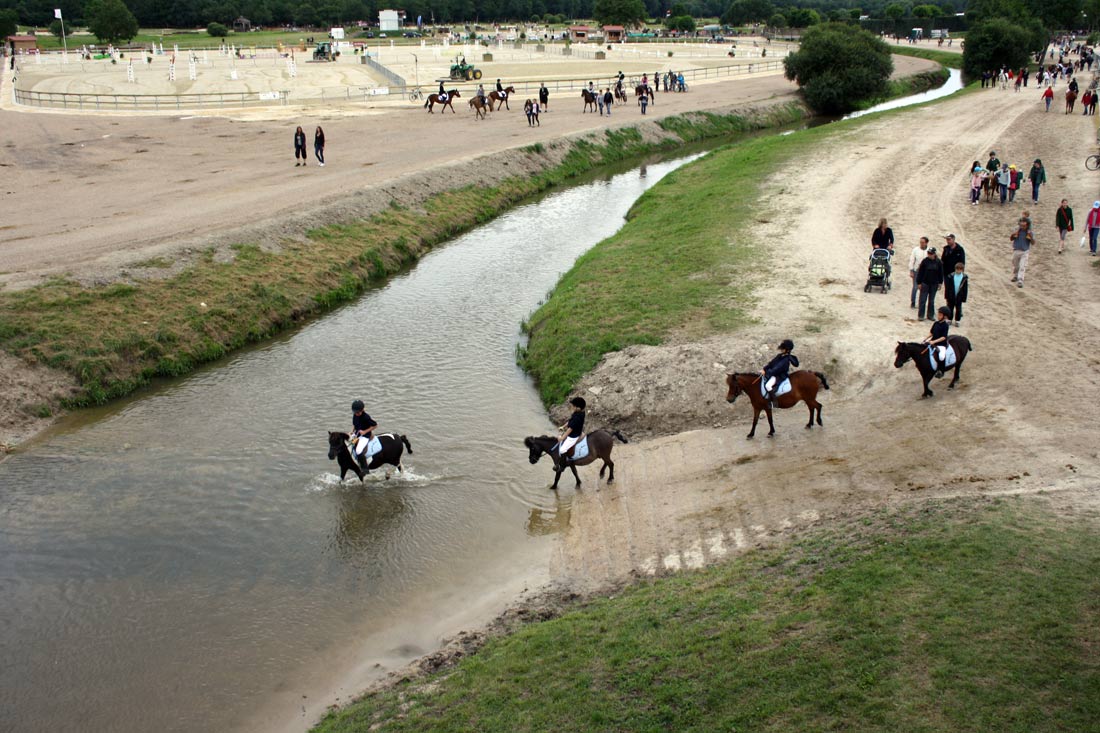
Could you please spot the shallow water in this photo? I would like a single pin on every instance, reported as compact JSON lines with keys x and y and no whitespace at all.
{"x":953,"y":84}
{"x":173,"y":561}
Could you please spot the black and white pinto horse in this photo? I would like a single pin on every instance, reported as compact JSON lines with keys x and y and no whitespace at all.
{"x":393,"y":446}
{"x":919,"y":354}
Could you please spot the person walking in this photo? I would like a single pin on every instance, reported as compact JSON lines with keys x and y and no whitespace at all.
{"x":915,"y":258}
{"x":883,"y":236}
{"x":1014,"y":183}
{"x":1048,"y":97}
{"x":1021,"y":239}
{"x":975,"y":185}
{"x":930,"y":277}
{"x":644,"y":102}
{"x":1038,"y":177}
{"x":599,"y":101}
{"x":952,"y":253}
{"x":608,"y":100}
{"x":544,"y":97}
{"x":955,"y":289}
{"x":1063,"y":219}
{"x":300,"y":147}
{"x":319,"y":146}
{"x":1004,"y":180}
{"x":1092,"y":223}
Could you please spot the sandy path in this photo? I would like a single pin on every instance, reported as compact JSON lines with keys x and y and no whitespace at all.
{"x":1016,"y":423}
{"x":87,"y":194}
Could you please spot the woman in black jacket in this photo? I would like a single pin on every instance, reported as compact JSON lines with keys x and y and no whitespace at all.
{"x":883,"y":236}
{"x":319,"y":145}
{"x":929,"y":278}
{"x":956,"y":286}
{"x":300,"y":147}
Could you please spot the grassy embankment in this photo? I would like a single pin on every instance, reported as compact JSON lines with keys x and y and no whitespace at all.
{"x":943,"y":58}
{"x":943,"y":617}
{"x":115,"y":338}
{"x":682,"y":263}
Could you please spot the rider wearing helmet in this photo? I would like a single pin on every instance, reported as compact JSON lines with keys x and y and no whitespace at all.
{"x":938,"y":338}
{"x":775,"y":373}
{"x":500,"y":89}
{"x":572,"y":429}
{"x":362,"y":431}
{"x":481,"y":92}
{"x":442,"y":91}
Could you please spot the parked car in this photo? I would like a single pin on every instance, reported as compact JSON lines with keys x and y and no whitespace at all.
{"x":369,"y":34}
{"x":411,"y":34}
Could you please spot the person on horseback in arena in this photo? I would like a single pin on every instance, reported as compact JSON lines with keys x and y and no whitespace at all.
{"x":500,"y":89}
{"x":776,"y":371}
{"x":938,"y":337}
{"x":481,"y":93}
{"x":362,"y":431}
{"x":572,"y":430}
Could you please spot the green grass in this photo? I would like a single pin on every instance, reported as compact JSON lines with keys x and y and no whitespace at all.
{"x":202,"y":39}
{"x":943,"y":58}
{"x":116,"y":338}
{"x":951,"y":617}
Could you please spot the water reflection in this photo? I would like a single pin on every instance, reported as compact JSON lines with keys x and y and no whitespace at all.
{"x":550,"y":520}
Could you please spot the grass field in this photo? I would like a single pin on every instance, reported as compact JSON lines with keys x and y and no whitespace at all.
{"x":202,"y":39}
{"x":943,"y":58}
{"x":966,"y":615}
{"x":117,"y":337}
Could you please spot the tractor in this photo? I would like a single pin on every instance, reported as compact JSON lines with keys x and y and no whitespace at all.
{"x":462,"y":70}
{"x":323,"y":52}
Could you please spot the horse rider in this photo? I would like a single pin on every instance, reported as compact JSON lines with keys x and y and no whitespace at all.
{"x":500,"y":90}
{"x":937,"y":338}
{"x":776,"y":371}
{"x":572,"y":430}
{"x":362,"y":430}
{"x":481,"y":93}
{"x":591,"y":90}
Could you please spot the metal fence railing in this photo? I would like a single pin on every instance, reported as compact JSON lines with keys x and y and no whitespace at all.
{"x":396,"y":92}
{"x":390,"y":76}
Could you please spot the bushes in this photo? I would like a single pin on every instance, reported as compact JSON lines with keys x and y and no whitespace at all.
{"x":996,"y":43}
{"x":839,"y":66}
{"x":217,"y":30}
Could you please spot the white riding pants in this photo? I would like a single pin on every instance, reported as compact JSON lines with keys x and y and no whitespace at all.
{"x":566,"y":444}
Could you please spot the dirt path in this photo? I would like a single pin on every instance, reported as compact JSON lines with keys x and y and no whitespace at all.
{"x":1020,"y":421}
{"x":92,"y":193}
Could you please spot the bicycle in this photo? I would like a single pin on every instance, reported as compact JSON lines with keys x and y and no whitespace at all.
{"x":416,"y":94}
{"x":1093,"y":162}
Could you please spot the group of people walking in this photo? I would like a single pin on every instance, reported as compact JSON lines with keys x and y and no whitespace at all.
{"x":1001,"y":180}
{"x":301,"y":157}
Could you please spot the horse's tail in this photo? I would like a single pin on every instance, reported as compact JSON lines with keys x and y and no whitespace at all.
{"x":824,"y":381}
{"x":408,"y":447}
{"x":427,"y":102}
{"x":620,"y":436}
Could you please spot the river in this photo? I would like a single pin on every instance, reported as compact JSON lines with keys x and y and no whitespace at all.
{"x":184,"y":558}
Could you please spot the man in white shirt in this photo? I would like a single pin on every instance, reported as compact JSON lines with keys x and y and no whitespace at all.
{"x":915,"y":258}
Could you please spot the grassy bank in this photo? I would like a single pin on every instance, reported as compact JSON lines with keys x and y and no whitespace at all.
{"x":944,"y":618}
{"x":943,"y":58}
{"x":115,"y":338}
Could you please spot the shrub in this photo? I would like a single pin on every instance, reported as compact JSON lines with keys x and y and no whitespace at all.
{"x":996,"y":43}
{"x":839,"y":66}
{"x":217,"y":30}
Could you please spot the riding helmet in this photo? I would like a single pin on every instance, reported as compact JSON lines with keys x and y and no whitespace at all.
{"x":578,"y":402}
{"x":786,"y":345}
{"x":944,"y":310}
{"x":357,"y":406}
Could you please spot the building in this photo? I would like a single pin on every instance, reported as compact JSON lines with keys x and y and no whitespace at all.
{"x":614,"y":33}
{"x":242,"y":25}
{"x":391,"y":20}
{"x":22,"y":44}
{"x":579,"y":33}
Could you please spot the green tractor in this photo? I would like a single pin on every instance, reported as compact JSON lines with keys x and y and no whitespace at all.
{"x":323,"y":52}
{"x":462,"y":70}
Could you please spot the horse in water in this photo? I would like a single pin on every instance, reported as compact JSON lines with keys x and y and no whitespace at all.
{"x":391,"y":453}
{"x":919,"y":354}
{"x":433,"y":100}
{"x":501,"y":99}
{"x":804,"y":386}
{"x":600,"y":443}
{"x":589,"y":99}
{"x":479,"y":105}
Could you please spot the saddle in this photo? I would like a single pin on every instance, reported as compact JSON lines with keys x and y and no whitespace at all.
{"x":578,"y":451}
{"x":780,"y":389}
{"x":373,"y":446}
{"x":442,"y":97}
{"x":945,"y":354}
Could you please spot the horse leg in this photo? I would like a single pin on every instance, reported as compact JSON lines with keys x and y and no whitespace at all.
{"x":927,"y":380}
{"x":955,"y":379}
{"x":611,"y":465}
{"x":755,"y":419}
{"x":819,"y":414}
{"x":810,"y":404}
{"x":577,"y":476}
{"x":557,"y":476}
{"x":771,"y":425}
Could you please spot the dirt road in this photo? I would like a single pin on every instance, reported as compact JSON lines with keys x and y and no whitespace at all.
{"x":1020,"y":421}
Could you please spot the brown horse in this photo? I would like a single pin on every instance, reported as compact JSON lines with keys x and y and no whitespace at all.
{"x":804,"y":386}
{"x":642,"y":90}
{"x":479,"y":105}
{"x":433,"y":100}
{"x":589,"y":99}
{"x":600,"y":443}
{"x":495,"y":96}
{"x":919,"y":354}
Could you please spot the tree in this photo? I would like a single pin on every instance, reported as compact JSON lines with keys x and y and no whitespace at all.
{"x":996,"y":43}
{"x":803,"y":17}
{"x":926,"y":11}
{"x":838,"y":66}
{"x":619,"y":12}
{"x":59,"y":29}
{"x":894,"y":11}
{"x":217,"y":30}
{"x":110,"y":20}
{"x":683,"y":23}
{"x":9,"y":23}
{"x":744,"y":12}
{"x":778,"y":20}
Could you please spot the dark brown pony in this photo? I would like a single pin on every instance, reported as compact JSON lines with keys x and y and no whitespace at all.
{"x":494,"y":96}
{"x":479,"y":105}
{"x":919,"y":354}
{"x":589,"y":99}
{"x":804,"y":386}
{"x":600,"y":443}
{"x":433,"y":100}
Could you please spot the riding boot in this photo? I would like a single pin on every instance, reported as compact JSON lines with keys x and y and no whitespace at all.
{"x":362,"y":459}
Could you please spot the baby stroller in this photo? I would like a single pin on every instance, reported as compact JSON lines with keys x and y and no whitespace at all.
{"x":878,"y":271}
